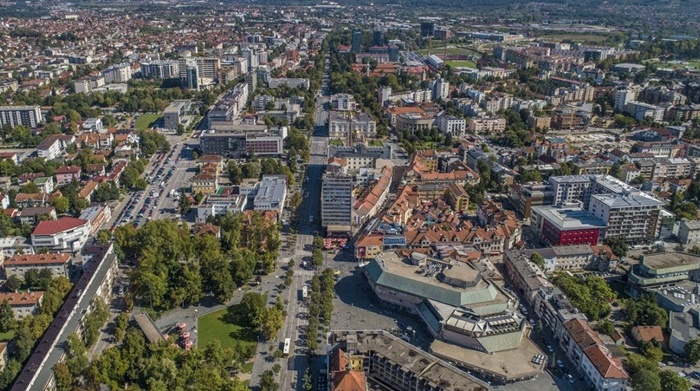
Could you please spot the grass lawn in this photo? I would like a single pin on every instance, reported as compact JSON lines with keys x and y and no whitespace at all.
{"x":375,"y":143}
{"x":337,"y":142}
{"x":4,"y":337}
{"x":456,"y":51}
{"x":226,"y":327}
{"x":247,"y":367}
{"x":146,"y":121}
{"x":462,"y":63}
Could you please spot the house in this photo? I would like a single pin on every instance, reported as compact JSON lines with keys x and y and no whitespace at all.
{"x":369,"y":246}
{"x":45,"y":184}
{"x":58,"y":264}
{"x":204,"y":183}
{"x":31,"y":216}
{"x":646,"y":334}
{"x":22,"y":303}
{"x":86,"y":192}
{"x":67,"y":174}
{"x":64,"y":234}
{"x":95,"y":169}
{"x":51,"y":148}
{"x":27,"y":200}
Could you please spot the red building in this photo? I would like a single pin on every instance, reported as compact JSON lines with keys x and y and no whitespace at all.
{"x":567,"y":225}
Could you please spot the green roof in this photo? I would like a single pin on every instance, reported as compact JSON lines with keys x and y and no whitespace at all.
{"x":501,"y":342}
{"x":418,"y":288}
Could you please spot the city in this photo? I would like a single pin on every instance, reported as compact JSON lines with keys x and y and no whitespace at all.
{"x":346,"y":196}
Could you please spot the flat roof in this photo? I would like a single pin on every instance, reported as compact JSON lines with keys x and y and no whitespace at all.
{"x":423,"y":365}
{"x":512,"y":364}
{"x":667,"y":260}
{"x":566,"y":218}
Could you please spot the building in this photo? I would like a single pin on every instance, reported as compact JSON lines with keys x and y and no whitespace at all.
{"x":395,"y":364}
{"x":120,"y":73}
{"x":336,"y":201}
{"x":451,"y":125}
{"x":689,"y":231}
{"x":240,"y":140}
{"x":301,"y":83}
{"x":526,"y":277}
{"x":11,"y":245}
{"x":487,"y":125}
{"x":22,"y":303}
{"x":271,"y":194}
{"x":414,"y":122}
{"x":29,"y":116}
{"x":172,"y":115}
{"x":541,"y":123}
{"x":525,"y":196}
{"x":427,"y":29}
{"x":98,"y":215}
{"x":350,"y":125}
{"x":160,"y":69}
{"x":343,"y":102}
{"x":59,"y":264}
{"x":567,"y":225}
{"x":684,"y":326}
{"x":356,"y":43}
{"x":634,"y":216}
{"x":95,"y":283}
{"x":66,"y":234}
{"x":360,"y":155}
{"x":221,"y":204}
{"x":204,"y":183}
{"x":640,"y":111}
{"x":591,"y":358}
{"x":661,"y":270}
{"x":67,"y":174}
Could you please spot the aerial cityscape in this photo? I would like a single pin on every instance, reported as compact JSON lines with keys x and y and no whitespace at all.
{"x":350,"y":196}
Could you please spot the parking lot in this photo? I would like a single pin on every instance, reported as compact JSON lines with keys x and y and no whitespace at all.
{"x":356,"y":308}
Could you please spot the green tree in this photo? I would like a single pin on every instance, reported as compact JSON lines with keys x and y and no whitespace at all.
{"x":606,"y":327}
{"x":7,"y":317}
{"x":617,"y":245}
{"x":64,"y":379}
{"x":317,"y":257}
{"x":103,"y":236}
{"x":652,"y":351}
{"x":61,"y":204}
{"x":692,"y":350}
{"x":531,"y":176}
{"x":538,"y":260}
{"x":267,"y":381}
{"x":120,"y":325}
{"x":646,"y":381}
{"x":252,"y":306}
{"x":271,"y":322}
{"x":644,"y":311}
{"x":308,"y":383}
{"x":671,"y":381}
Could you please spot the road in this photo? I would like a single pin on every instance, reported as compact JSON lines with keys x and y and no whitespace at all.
{"x":309,"y":226}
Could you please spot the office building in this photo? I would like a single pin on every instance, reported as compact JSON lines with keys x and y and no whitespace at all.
{"x":356,"y":43}
{"x":567,"y":225}
{"x":29,"y":116}
{"x":66,"y":234}
{"x":271,"y":194}
{"x":360,"y":155}
{"x":427,"y":29}
{"x":378,"y":38}
{"x":336,"y":201}
{"x":659,"y":270}
{"x":451,"y":125}
{"x":172,"y":115}
{"x":208,"y":69}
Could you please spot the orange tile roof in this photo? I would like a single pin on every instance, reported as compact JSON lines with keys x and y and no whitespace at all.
{"x":349,"y":381}
{"x":649,"y":333}
{"x":609,"y":367}
{"x":21,"y":298}
{"x":37,"y":259}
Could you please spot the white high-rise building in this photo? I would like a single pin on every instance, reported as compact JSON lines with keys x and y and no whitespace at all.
{"x":120,"y":73}
{"x":625,"y":95}
{"x":633,"y":216}
{"x":441,"y":89}
{"x":29,"y":116}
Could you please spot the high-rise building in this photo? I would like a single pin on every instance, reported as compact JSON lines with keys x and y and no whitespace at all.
{"x":120,"y":73}
{"x":251,"y":79}
{"x":378,"y":38}
{"x":633,"y":216}
{"x":441,"y":89}
{"x":336,"y":201}
{"x":427,"y":29}
{"x":384,"y":94}
{"x":356,"y":41}
{"x":29,"y":116}
{"x":208,"y":68}
{"x":251,"y":57}
{"x":160,"y":69}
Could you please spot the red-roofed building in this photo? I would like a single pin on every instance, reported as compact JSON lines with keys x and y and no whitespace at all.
{"x":17,"y":265}
{"x":22,"y":303}
{"x":65,"y":234}
{"x":66,"y":175}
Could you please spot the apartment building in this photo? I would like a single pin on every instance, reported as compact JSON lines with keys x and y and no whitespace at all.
{"x":65,"y":234}
{"x":567,"y":225}
{"x":29,"y":116}
{"x":59,"y":264}
{"x":634,"y":215}
{"x":160,"y":69}
{"x":689,"y":231}
{"x":336,"y":201}
{"x":487,"y":125}
{"x":22,"y":303}
{"x":120,"y":73}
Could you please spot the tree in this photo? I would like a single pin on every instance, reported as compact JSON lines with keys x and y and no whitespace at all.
{"x":538,"y":260}
{"x":30,"y":187}
{"x":644,"y":311}
{"x":103,"y":236}
{"x":252,"y":306}
{"x":64,"y":379}
{"x":652,"y":351}
{"x":267,"y":381}
{"x":617,"y":245}
{"x":185,"y":205}
{"x":606,"y":327}
{"x":120,"y":325}
{"x":252,"y":170}
{"x":692,"y":350}
{"x":61,"y":204}
{"x":7,"y":317}
{"x":317,"y":257}
{"x":646,"y":381}
{"x":308,"y":383}
{"x":671,"y":381}
{"x":235,"y":174}
{"x":531,"y":176}
{"x":13,"y":283}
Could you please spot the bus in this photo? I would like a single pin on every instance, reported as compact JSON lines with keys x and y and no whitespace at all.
{"x":304,"y":292}
{"x":286,"y":347}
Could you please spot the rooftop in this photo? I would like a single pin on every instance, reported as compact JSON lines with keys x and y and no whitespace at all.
{"x":567,"y":217}
{"x":52,"y":227}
